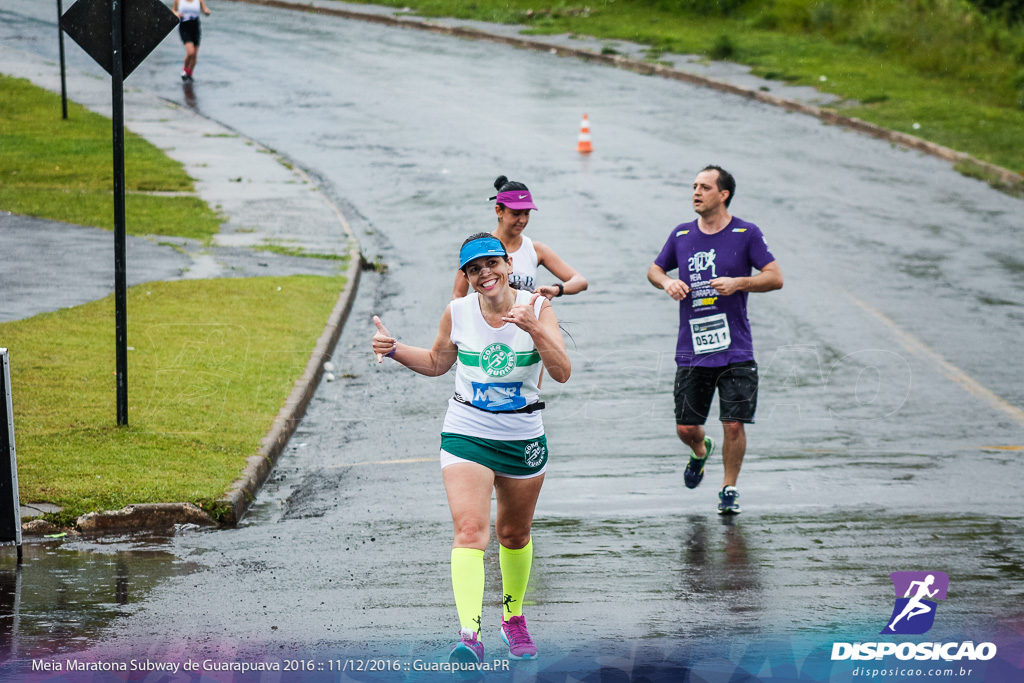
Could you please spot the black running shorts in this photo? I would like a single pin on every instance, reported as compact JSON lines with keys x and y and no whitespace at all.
{"x":189,"y":31}
{"x":737,"y":393}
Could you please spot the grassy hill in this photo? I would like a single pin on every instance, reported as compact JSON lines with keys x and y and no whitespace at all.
{"x":955,"y":68}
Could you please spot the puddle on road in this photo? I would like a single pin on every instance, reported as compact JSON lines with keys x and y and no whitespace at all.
{"x":63,"y":594}
{"x":821,"y":571}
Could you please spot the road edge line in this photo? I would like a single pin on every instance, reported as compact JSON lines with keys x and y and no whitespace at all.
{"x":950,"y":371}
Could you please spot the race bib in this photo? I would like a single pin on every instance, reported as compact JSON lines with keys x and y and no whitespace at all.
{"x":498,"y":396}
{"x":710,"y":333}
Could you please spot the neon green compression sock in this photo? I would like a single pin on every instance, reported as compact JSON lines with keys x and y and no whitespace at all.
{"x":515,"y":574}
{"x":468,"y":584}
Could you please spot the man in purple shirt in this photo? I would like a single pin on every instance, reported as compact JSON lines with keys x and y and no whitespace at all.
{"x":715,"y":255}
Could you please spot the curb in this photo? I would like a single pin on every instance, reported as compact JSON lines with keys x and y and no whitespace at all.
{"x":143,"y":516}
{"x":243,"y":491}
{"x":1004,"y":176}
{"x":234,"y":504}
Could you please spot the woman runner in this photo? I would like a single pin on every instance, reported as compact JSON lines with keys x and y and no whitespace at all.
{"x":188,"y":11}
{"x":493,"y":437}
{"x":513,"y":209}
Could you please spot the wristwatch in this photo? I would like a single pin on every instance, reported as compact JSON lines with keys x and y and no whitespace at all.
{"x":561,"y":289}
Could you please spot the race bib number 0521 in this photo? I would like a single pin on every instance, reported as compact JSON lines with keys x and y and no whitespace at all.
{"x":710,"y":333}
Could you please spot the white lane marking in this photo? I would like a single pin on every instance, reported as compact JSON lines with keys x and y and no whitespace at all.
{"x":952,"y":372}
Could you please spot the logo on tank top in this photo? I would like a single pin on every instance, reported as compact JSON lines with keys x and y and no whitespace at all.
{"x":524,"y":282}
{"x":703,"y":260}
{"x":497,"y":360}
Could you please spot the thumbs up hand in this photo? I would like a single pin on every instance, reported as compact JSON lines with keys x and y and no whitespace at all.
{"x":522,"y":315}
{"x":383,"y":342}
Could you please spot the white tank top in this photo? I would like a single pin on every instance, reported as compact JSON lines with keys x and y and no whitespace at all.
{"x":524,"y":266}
{"x":498,"y":369}
{"x":189,"y":9}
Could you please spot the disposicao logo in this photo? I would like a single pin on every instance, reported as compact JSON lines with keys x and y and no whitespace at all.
{"x":917,"y":594}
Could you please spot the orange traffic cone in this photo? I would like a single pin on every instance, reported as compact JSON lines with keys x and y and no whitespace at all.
{"x":584,"y":146}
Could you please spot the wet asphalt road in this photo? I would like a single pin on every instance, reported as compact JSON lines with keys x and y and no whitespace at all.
{"x":890,"y":422}
{"x":82,"y":257}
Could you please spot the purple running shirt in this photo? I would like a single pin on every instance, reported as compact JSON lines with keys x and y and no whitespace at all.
{"x":714,"y":330}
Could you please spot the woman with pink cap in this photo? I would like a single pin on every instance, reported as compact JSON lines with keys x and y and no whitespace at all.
{"x":513,"y":207}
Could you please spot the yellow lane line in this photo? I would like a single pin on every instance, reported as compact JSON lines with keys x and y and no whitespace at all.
{"x":920,"y":349}
{"x":383,"y":462}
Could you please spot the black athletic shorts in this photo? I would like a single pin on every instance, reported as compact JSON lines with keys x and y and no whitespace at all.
{"x":737,"y":392}
{"x":189,"y":31}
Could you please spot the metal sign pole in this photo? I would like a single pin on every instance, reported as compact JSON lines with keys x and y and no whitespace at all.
{"x":60,"y":41}
{"x":145,"y":23}
{"x":120,"y":278}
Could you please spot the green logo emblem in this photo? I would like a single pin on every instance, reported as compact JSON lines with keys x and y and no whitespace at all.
{"x":497,"y":360}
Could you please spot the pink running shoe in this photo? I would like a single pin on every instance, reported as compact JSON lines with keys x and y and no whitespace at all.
{"x":515,"y":635}
{"x":468,"y":651}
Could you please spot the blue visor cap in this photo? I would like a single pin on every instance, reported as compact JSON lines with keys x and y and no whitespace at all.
{"x":485,"y":246}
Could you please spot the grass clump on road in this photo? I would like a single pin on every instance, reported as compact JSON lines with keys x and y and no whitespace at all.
{"x":955,"y":68}
{"x":212,"y":363}
{"x":277,"y":247}
{"x":63,"y":170}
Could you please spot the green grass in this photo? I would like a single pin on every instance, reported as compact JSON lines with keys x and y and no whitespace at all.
{"x":942,"y":64}
{"x":292,"y":250}
{"x":63,"y":170}
{"x":202,"y":394}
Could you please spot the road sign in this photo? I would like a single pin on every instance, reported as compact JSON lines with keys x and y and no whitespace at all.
{"x":100,"y":27}
{"x":10,"y":504}
{"x":145,"y":23}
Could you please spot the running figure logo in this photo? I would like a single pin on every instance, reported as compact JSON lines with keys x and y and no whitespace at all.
{"x":497,"y":360}
{"x":507,"y":602}
{"x":533,"y":454}
{"x":914,"y":612}
{"x":703,"y":260}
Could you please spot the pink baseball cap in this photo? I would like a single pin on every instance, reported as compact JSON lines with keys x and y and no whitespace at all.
{"x":516,"y":199}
